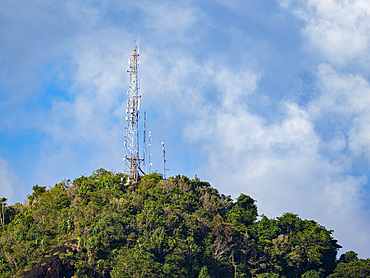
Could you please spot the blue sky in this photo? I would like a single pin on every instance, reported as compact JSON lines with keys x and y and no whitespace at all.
{"x":268,"y":98}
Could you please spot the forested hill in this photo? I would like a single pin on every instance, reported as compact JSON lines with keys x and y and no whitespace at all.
{"x":99,"y":227}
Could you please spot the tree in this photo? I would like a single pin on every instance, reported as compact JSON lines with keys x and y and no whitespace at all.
{"x":348,"y":257}
{"x":3,"y":204}
{"x":353,"y":269}
{"x":204,"y":272}
{"x":37,"y":191}
{"x":243,"y":213}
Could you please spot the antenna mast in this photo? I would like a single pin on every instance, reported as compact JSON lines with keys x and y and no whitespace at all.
{"x":133,"y":106}
{"x":149,"y":145}
{"x":144,"y":146}
{"x":164,"y":161}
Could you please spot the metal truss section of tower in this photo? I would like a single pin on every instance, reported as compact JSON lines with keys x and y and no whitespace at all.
{"x":132,"y":117}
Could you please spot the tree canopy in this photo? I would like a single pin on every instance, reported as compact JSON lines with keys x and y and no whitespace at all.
{"x":98,"y":226}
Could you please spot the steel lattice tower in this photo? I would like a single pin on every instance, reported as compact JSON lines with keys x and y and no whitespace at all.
{"x":131,"y":158}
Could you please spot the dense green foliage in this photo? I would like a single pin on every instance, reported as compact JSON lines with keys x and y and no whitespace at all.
{"x":162,"y":228}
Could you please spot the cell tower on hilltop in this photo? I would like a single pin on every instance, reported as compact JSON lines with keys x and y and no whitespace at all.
{"x":132,"y":160}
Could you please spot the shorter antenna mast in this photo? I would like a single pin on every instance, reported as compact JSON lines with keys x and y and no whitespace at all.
{"x":164,"y":161}
{"x":144,"y":146}
{"x":149,"y":156}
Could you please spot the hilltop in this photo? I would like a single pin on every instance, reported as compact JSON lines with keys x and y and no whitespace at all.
{"x":97,"y":226}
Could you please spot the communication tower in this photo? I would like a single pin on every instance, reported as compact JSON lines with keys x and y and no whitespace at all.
{"x":132,"y":161}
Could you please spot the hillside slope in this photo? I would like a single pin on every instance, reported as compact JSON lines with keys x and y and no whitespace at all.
{"x":99,"y":227}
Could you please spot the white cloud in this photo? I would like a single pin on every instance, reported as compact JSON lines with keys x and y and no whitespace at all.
{"x":96,"y":93}
{"x":86,"y":130}
{"x":235,"y":85}
{"x":32,"y":35}
{"x":344,"y":100}
{"x":170,"y":19}
{"x":339,"y":29}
